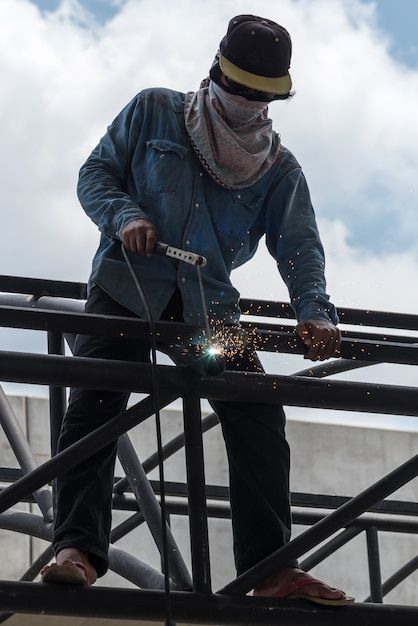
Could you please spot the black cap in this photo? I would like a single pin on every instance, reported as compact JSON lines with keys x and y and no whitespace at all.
{"x":256,"y":53}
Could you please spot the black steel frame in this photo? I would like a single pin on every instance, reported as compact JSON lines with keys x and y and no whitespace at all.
{"x":55,"y":307}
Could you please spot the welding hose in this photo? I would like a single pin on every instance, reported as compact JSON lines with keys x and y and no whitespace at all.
{"x":159,"y":435}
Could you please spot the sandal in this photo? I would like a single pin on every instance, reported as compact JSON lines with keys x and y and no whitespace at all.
{"x":294,"y":590}
{"x":68,"y":573}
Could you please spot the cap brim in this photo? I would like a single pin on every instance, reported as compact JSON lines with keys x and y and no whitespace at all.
{"x":280,"y":86}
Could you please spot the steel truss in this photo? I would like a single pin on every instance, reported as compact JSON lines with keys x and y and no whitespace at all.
{"x":56,"y":307}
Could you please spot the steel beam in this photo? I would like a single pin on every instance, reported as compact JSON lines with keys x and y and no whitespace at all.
{"x":288,"y":390}
{"x":266,"y":308}
{"x":373,"y":557}
{"x":383,"y":319}
{"x":57,"y":394}
{"x":199,"y":539}
{"x":131,"y":604}
{"x":43,"y":287}
{"x":169,"y":332}
{"x":125,"y":527}
{"x":151,"y":511}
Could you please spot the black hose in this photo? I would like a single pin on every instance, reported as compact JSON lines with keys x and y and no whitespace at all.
{"x":159,"y":437}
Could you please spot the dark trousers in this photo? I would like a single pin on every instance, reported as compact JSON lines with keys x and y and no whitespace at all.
{"x":257,"y":450}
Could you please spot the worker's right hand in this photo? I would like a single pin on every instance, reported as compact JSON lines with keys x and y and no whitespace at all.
{"x":139,"y":236}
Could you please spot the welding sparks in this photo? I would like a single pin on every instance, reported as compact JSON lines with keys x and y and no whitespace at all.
{"x":228,"y":342}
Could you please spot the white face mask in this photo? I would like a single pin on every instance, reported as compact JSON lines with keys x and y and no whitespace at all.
{"x":237,"y":110}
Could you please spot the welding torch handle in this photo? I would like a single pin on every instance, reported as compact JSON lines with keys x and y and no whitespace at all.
{"x":192,"y":258}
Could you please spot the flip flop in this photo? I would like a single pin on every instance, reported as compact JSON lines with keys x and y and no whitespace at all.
{"x":68,"y":573}
{"x":294,"y":590}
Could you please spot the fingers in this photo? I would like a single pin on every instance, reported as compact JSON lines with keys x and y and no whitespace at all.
{"x":151,"y":239}
{"x":322,"y":338}
{"x":140,"y":236}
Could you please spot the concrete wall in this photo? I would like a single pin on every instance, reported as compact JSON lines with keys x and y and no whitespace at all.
{"x":329,"y":459}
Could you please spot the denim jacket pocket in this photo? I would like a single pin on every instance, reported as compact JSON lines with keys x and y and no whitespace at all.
{"x":238,"y":213}
{"x":163,"y":163}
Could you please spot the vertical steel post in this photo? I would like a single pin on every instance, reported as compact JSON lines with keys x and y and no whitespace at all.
{"x":199,"y":538}
{"x":57,"y":395}
{"x":376,"y":591}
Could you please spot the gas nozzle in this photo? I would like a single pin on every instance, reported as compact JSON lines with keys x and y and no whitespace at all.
{"x":192,"y":258}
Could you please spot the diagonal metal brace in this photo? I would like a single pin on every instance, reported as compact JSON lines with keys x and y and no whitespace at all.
{"x":323,"y":529}
{"x":83,"y":449}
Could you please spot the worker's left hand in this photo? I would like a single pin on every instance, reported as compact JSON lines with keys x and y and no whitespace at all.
{"x":322,"y":338}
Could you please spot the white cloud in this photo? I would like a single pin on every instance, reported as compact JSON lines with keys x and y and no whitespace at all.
{"x":352,"y":125}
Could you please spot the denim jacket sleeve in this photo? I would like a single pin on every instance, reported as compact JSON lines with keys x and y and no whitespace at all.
{"x":294,"y":242}
{"x":101,"y":186}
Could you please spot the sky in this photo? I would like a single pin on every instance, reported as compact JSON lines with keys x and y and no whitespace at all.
{"x":69,"y":66}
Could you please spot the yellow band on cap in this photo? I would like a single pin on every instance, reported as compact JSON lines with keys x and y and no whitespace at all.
{"x":279,"y":86}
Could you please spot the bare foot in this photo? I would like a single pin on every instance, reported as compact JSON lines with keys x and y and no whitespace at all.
{"x":294,"y":582}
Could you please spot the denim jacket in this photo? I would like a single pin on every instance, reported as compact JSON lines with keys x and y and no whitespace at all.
{"x":145,"y":167}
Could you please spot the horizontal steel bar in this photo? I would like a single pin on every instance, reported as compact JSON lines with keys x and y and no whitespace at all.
{"x":267,"y":308}
{"x":289,"y":390}
{"x":324,"y":501}
{"x":221,"y":492}
{"x":353,"y":348}
{"x":170,"y":332}
{"x":129,"y":604}
{"x":298,"y":499}
{"x":222,"y":511}
{"x":363,"y":522}
{"x":257,"y":325}
{"x":43,"y":287}
{"x":77,"y":306}
{"x":302,"y":518}
{"x":330,"y":368}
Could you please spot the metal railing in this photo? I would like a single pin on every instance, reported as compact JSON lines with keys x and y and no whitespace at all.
{"x":55,"y":307}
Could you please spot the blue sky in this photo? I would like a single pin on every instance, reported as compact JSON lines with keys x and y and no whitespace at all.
{"x":399,"y":18}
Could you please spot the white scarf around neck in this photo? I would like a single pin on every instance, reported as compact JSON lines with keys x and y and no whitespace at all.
{"x":233,"y":137}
